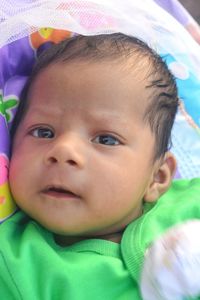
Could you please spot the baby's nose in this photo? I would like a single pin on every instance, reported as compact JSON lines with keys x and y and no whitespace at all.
{"x":68,"y":150}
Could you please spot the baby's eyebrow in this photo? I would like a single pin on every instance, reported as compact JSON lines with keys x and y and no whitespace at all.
{"x":102,"y":117}
{"x":43,"y":111}
{"x":123,"y":117}
{"x":108,"y":118}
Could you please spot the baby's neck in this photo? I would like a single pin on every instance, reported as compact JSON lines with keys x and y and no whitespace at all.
{"x":64,"y":241}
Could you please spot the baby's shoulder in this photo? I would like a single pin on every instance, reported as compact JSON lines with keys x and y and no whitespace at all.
{"x":19,"y":229}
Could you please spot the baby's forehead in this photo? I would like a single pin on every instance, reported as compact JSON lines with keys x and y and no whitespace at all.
{"x":126,"y":68}
{"x":102,"y":82}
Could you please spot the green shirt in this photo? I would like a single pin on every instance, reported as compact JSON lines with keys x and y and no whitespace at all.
{"x":34,"y":267}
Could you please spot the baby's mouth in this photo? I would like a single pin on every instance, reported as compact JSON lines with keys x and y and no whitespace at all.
{"x":59,"y":192}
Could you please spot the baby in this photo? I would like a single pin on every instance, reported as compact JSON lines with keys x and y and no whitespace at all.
{"x":90,"y":157}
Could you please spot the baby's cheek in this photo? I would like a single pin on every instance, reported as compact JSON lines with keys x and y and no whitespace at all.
{"x":15,"y":176}
{"x":13,"y":171}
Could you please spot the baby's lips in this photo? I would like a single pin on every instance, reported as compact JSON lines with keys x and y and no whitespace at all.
{"x":60,"y":190}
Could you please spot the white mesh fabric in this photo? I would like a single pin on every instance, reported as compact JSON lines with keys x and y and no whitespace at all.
{"x":144,"y":19}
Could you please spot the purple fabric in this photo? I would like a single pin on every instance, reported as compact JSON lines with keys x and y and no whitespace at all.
{"x":16,"y":61}
{"x":176,"y":9}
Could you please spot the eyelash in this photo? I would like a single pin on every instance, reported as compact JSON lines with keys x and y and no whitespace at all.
{"x":106,"y":138}
{"x":33,"y":131}
{"x":103,"y":139}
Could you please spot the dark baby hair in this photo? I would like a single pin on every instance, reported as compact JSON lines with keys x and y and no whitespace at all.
{"x":162,"y":107}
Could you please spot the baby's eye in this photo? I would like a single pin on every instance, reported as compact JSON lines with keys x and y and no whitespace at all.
{"x":105,"y":139}
{"x":42,"y":133}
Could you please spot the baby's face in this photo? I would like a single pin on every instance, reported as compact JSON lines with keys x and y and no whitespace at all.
{"x":82,"y":155}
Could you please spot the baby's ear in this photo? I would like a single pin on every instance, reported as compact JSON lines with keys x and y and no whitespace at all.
{"x":161,"y":177}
